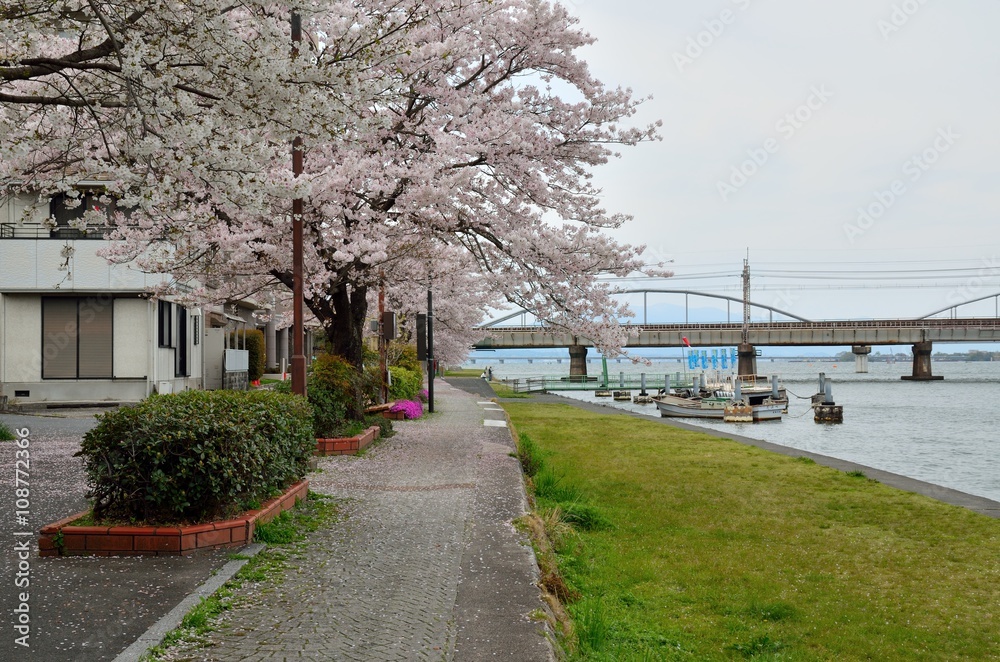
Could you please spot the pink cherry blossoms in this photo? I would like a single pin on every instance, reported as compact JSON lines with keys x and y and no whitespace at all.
{"x":438,"y":152}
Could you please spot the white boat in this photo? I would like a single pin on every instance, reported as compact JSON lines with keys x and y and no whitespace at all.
{"x":714,"y":407}
{"x":675,"y":406}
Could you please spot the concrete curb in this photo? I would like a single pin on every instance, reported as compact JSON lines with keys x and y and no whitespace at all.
{"x":155,"y":634}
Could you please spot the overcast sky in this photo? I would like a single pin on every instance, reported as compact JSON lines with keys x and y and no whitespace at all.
{"x":783,"y":118}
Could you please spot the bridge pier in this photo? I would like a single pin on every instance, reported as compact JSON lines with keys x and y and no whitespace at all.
{"x":921,"y":363}
{"x":861,"y":353}
{"x":577,"y":361}
{"x":747,"y":363}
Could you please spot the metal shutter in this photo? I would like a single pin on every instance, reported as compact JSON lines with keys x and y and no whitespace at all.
{"x":96,"y":339}
{"x":59,"y":349}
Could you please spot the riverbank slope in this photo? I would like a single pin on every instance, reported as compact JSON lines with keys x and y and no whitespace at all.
{"x":718,"y":550}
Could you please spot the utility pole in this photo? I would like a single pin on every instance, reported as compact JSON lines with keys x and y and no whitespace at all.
{"x":745,"y":333}
{"x":298,"y":333}
{"x":430,"y":351}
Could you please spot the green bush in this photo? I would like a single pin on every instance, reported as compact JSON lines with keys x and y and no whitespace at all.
{"x":255,"y":346}
{"x":337,"y":392}
{"x":197,"y":455}
{"x":5,"y":433}
{"x":404,"y":355}
{"x":405,"y":383}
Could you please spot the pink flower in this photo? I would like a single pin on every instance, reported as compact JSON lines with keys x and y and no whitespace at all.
{"x":410,"y":408}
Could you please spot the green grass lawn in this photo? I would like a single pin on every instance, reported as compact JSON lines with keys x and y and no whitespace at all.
{"x":463,"y":372}
{"x":719,"y":551}
{"x":504,"y":391}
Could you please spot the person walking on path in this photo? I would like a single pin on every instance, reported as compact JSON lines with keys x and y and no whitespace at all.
{"x":425,"y":565}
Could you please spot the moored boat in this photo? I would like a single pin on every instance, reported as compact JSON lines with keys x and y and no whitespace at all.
{"x":714,"y":407}
{"x":675,"y":406}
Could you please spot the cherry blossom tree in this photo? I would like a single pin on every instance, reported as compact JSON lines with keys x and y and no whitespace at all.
{"x":446,"y":143}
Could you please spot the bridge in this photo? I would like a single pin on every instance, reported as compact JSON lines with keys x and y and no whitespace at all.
{"x":860,"y":335}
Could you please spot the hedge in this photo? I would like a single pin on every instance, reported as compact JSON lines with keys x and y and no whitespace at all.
{"x":196,"y":456}
{"x":405,"y":383}
{"x":338,"y":393}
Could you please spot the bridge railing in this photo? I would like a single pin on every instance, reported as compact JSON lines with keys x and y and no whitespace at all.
{"x":838,"y":324}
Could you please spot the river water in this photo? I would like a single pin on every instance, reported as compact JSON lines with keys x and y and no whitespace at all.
{"x":942,"y":432}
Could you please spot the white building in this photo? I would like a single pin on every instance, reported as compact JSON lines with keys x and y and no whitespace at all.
{"x":74,"y":328}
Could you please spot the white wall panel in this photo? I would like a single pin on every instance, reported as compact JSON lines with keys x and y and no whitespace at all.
{"x":22,"y":336}
{"x":132,"y":346}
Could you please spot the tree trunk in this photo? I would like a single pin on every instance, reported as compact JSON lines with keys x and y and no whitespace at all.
{"x":345,"y":333}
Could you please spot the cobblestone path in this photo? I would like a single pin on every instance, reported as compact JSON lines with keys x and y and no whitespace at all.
{"x":426,"y":565}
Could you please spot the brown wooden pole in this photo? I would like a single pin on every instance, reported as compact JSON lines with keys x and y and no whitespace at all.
{"x":298,"y":295}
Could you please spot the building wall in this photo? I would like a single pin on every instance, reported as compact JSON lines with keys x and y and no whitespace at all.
{"x":139,"y":365}
{"x":33,"y":264}
{"x":22,"y":338}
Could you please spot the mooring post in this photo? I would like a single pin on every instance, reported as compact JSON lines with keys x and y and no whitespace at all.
{"x":774,"y":387}
{"x":826,"y":410}
{"x":642,"y":383}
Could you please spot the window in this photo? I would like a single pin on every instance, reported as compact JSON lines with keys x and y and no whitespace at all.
{"x":63,"y":214}
{"x":165,"y":324}
{"x":181,"y":351}
{"x":77,"y":338}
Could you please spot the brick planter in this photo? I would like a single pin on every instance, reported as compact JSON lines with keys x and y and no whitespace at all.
{"x":394,"y":415}
{"x":161,"y":540}
{"x":347,"y":445}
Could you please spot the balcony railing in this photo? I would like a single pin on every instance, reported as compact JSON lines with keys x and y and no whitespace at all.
{"x":11,"y":231}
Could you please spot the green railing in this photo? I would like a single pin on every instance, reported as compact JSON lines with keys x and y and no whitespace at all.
{"x":631,"y":382}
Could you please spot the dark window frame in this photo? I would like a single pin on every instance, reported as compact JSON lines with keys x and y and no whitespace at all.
{"x":165,"y":324}
{"x":80,"y":301}
{"x":182,"y":363}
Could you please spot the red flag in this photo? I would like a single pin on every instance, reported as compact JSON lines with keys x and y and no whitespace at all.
{"x":686,"y":341}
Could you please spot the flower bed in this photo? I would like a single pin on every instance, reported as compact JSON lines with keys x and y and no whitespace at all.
{"x":347,"y":445}
{"x":63,"y":539}
{"x":409,"y":408}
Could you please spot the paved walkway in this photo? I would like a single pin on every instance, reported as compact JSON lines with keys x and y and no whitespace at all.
{"x":426,"y":565}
